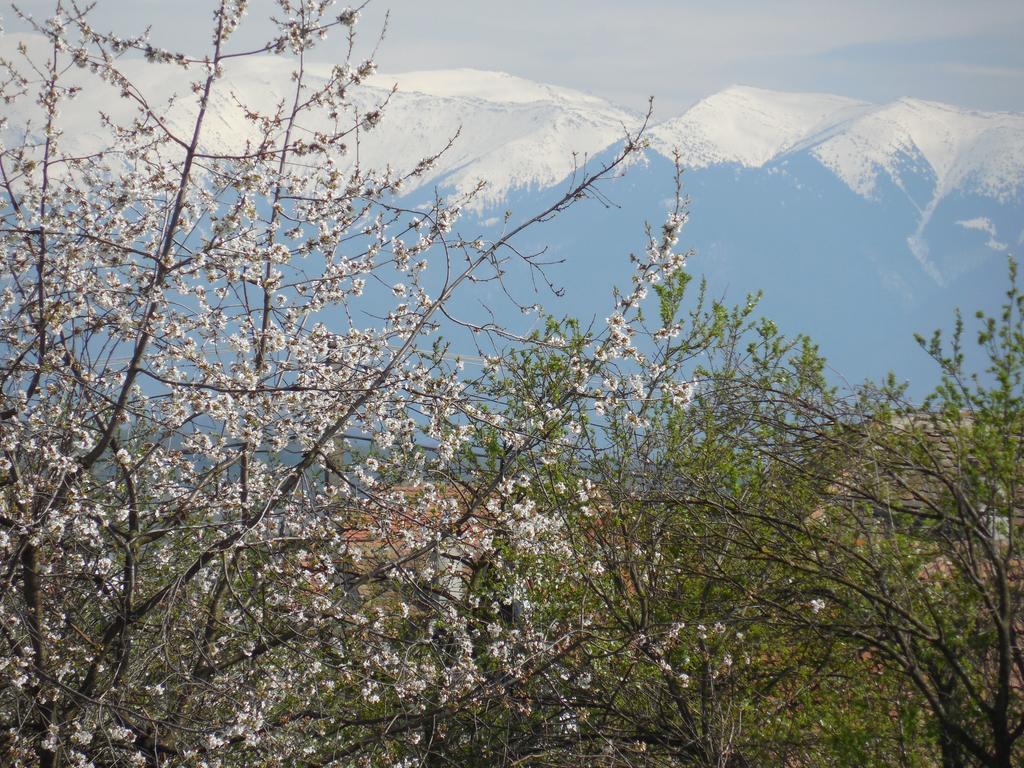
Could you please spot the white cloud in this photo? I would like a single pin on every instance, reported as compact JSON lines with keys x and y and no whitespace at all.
{"x":980,"y":223}
{"x":983,"y":224}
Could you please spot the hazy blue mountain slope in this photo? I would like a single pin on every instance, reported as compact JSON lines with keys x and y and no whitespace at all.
{"x":830,"y":262}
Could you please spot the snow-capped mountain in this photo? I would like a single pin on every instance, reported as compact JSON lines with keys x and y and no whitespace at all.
{"x":862,"y":222}
{"x":542,"y":126}
{"x":516,"y":134}
{"x":512,"y":133}
{"x":921,"y":156}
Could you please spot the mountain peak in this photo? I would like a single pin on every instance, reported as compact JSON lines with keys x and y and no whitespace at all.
{"x":749,"y":126}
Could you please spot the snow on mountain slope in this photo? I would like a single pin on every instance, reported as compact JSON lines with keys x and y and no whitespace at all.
{"x":982,"y":151}
{"x":979,"y":152}
{"x":513,"y":133}
{"x":749,"y":126}
{"x":929,"y":151}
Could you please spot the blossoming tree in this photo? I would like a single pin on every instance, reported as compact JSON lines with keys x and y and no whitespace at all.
{"x":224,"y":432}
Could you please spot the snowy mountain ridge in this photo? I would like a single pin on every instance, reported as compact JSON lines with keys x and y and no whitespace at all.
{"x":753,"y":127}
{"x":516,"y":134}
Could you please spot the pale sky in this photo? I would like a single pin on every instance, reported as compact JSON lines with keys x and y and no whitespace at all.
{"x":966,"y":52}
